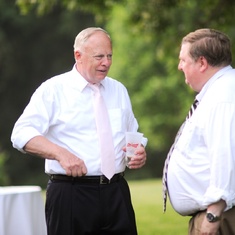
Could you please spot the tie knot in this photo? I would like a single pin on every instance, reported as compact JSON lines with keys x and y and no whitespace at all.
{"x":192,"y":109}
{"x":95,"y":87}
{"x":195,"y":103}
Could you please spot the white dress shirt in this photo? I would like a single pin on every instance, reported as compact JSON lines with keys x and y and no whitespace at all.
{"x":61,"y":110}
{"x":202,"y":166}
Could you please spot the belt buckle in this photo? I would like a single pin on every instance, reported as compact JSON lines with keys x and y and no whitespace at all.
{"x":102,"y":180}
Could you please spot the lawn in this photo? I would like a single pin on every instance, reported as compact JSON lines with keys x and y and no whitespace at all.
{"x":147,"y":202}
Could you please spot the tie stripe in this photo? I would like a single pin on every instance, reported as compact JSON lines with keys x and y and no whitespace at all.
{"x":192,"y":109}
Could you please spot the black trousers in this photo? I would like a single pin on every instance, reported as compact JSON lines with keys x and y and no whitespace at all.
{"x":74,"y":208}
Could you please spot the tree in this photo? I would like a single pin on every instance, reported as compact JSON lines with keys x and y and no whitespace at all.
{"x":32,"y":49}
{"x":146,"y":37}
{"x":148,"y":41}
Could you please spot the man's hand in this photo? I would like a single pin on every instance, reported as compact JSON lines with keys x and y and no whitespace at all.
{"x":139,"y":159}
{"x":211,"y":228}
{"x":73,"y":165}
{"x":208,"y":228}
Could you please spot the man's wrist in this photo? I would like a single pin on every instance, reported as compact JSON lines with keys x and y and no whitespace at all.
{"x":211,"y":217}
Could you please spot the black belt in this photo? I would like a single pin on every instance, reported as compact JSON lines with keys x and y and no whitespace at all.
{"x":88,"y":179}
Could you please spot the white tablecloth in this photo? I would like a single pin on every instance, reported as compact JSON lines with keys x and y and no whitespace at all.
{"x":22,"y":211}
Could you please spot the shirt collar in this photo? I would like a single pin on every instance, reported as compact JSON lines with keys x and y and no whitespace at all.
{"x":217,"y":75}
{"x":82,"y":82}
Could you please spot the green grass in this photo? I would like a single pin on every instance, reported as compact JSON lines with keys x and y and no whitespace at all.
{"x":147,"y":203}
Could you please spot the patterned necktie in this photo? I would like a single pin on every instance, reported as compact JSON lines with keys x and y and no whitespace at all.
{"x":104,"y":132}
{"x":164,"y":178}
{"x":192,"y":109}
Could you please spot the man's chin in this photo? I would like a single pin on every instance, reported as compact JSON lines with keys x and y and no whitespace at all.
{"x":101,"y":77}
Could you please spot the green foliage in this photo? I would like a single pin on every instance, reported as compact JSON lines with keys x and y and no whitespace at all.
{"x":146,"y":46}
{"x":32,"y":49}
{"x":44,"y":6}
{"x":150,"y":74}
{"x":4,"y":179}
{"x":36,"y":38}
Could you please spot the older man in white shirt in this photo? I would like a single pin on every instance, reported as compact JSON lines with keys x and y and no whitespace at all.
{"x":60,"y":125}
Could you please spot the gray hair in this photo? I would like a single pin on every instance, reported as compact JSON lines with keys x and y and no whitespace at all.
{"x":82,"y":37}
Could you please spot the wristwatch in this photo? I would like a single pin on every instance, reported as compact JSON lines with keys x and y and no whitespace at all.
{"x":212,"y":217}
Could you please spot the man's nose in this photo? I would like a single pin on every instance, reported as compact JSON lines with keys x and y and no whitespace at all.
{"x":180,"y":66}
{"x":107,"y":60}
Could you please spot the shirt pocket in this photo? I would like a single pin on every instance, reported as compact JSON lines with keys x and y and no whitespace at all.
{"x":118,"y":119}
{"x":191,"y":141}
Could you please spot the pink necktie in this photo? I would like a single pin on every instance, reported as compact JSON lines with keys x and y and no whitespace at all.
{"x":104,"y":133}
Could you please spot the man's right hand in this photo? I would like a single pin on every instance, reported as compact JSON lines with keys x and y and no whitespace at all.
{"x":73,"y":165}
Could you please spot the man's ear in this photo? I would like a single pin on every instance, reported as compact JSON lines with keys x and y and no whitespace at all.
{"x":77,"y":56}
{"x":203,"y":63}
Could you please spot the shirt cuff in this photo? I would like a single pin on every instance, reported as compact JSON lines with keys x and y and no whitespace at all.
{"x":19,"y":140}
{"x":144,"y":141}
{"x":214,"y":194}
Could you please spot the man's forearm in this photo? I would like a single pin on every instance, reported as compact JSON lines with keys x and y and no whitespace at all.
{"x":42,"y":147}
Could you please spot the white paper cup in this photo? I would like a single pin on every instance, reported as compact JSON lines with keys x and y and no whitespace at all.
{"x":133,"y":141}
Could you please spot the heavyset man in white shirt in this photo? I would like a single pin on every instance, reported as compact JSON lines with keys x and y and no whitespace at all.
{"x":58,"y":124}
{"x":201,"y":172}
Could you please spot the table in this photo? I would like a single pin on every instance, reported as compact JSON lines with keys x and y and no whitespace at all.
{"x":22,"y":211}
